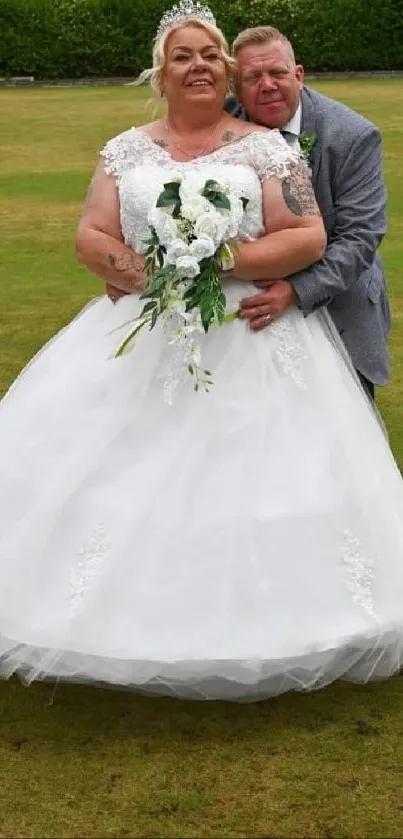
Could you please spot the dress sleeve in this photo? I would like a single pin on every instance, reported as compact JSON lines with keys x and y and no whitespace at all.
{"x":271,"y":156}
{"x":120,"y":153}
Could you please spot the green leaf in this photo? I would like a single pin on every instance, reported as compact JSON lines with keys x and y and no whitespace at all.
{"x":152,"y":240}
{"x":307,"y":142}
{"x":172,"y":188}
{"x":211,"y":186}
{"x":154,"y":318}
{"x":148,"y":307}
{"x":220,"y":201}
{"x":130,"y":337}
{"x":165,"y":201}
{"x":170,"y":195}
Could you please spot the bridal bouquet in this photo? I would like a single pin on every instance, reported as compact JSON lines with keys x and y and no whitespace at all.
{"x":190,"y":226}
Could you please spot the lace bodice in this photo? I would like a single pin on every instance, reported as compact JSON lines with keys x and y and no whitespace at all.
{"x":142,"y":167}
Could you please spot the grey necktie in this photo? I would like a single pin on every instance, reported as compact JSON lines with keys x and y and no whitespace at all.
{"x":289,"y":137}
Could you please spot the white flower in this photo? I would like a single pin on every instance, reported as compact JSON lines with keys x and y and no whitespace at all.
{"x":164,"y":226}
{"x":212,"y":225}
{"x":176,"y":177}
{"x":181,"y":325}
{"x":193,"y":354}
{"x":175,"y":302}
{"x":202,"y":248}
{"x":176,"y":249}
{"x":192,"y":185}
{"x":187,"y":267}
{"x":195,"y":206}
{"x":193,"y":321}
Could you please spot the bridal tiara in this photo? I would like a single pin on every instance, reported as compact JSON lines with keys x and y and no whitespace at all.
{"x":184,"y":10}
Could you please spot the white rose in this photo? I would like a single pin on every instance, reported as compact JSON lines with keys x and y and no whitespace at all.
{"x":192,"y":185}
{"x":176,"y":249}
{"x":187,"y":267}
{"x":202,"y":248}
{"x":211,"y":225}
{"x":195,"y":206}
{"x":164,"y":226}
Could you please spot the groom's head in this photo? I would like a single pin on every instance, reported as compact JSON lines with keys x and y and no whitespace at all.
{"x":268,"y":82}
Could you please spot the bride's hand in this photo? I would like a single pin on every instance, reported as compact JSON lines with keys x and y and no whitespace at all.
{"x":114,"y":293}
{"x":127,"y":263}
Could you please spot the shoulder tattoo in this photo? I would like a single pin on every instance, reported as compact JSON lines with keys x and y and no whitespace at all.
{"x":162,"y":143}
{"x":228,"y":136}
{"x":298,"y":192}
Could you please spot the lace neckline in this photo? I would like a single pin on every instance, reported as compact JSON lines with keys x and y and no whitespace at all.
{"x":165,"y":153}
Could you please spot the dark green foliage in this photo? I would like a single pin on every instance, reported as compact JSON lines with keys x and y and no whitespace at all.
{"x":76,"y":38}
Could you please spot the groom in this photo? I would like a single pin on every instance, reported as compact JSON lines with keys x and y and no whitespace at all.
{"x":346,"y":163}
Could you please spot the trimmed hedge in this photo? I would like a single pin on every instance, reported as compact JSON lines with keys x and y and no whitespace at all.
{"x":84,"y":38}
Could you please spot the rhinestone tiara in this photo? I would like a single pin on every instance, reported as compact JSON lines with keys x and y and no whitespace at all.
{"x":182,"y":11}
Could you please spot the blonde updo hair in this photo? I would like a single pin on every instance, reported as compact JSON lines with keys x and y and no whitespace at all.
{"x":154,"y":75}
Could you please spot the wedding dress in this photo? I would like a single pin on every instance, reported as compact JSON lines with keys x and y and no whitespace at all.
{"x":235,"y":544}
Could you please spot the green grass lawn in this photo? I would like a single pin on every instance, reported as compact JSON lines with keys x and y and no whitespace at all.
{"x":83,"y":762}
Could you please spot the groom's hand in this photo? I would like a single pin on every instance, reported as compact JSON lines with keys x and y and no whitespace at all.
{"x":261,"y":309}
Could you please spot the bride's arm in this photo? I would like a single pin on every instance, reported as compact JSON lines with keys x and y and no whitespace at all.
{"x":295,"y":234}
{"x":99,"y":242}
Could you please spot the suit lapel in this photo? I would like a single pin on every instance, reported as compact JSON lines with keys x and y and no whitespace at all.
{"x":308,"y":124}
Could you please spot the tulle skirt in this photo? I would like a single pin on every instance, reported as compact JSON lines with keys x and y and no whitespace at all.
{"x":235,"y":544}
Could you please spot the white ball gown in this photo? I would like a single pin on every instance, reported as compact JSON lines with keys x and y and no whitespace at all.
{"x":235,"y":544}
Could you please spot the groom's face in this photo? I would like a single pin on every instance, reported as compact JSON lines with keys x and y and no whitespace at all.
{"x":268,"y":83}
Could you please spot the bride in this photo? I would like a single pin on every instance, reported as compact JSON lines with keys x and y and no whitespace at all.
{"x":237,"y":543}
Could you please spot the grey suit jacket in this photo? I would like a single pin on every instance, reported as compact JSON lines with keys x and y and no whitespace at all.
{"x":347,"y":177}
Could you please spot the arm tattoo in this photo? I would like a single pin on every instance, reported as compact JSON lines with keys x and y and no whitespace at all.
{"x":298,"y":193}
{"x":228,"y":136}
{"x":124,"y":263}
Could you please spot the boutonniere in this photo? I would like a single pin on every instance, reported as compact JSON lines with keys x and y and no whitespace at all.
{"x":307,"y":142}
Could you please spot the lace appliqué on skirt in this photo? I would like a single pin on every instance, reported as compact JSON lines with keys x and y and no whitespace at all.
{"x":360,"y":574}
{"x":92,"y":554}
{"x":289,"y":351}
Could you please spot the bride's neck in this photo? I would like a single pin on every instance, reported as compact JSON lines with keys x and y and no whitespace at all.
{"x":194,"y":122}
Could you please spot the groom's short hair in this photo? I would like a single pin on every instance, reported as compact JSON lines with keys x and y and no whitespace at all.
{"x":261,"y":35}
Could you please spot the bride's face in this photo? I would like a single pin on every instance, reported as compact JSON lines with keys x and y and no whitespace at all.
{"x":194,"y":68}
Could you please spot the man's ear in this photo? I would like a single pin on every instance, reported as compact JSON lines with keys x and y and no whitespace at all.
{"x":300,"y":73}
